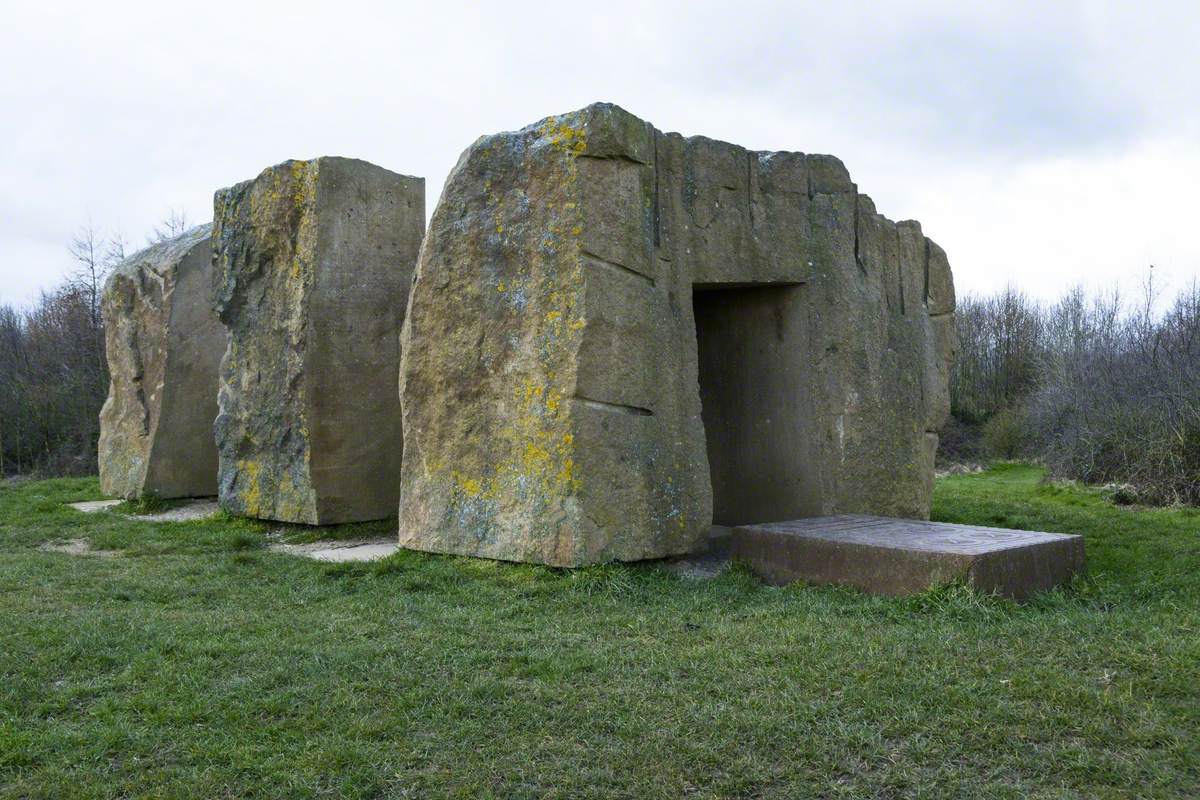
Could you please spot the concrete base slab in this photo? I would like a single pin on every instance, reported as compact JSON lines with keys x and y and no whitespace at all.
{"x":92,"y":506}
{"x":339,"y":549}
{"x":362,"y":552}
{"x":200,"y":508}
{"x":192,"y":509}
{"x":898,"y":557}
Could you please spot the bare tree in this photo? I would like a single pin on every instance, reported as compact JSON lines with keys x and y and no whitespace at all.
{"x":999,"y":343}
{"x":53,"y":370}
{"x":87,"y":247}
{"x":115,"y":249}
{"x":1105,"y":389}
{"x":173,"y":225}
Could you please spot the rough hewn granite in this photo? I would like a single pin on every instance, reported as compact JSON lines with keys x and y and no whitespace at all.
{"x":595,"y":296}
{"x":163,"y":343}
{"x":313,"y":264}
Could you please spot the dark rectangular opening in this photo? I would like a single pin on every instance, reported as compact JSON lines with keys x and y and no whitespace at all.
{"x":756,"y":408}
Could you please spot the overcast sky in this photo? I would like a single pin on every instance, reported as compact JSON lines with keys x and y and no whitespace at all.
{"x":1044,"y":144}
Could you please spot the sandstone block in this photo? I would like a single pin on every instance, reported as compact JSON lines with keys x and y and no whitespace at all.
{"x":163,"y":344}
{"x":313,"y":265}
{"x":900,"y":557}
{"x":617,"y":336}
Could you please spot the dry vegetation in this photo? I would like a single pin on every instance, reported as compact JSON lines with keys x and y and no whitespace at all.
{"x":1102,"y":389}
{"x":53,"y":374}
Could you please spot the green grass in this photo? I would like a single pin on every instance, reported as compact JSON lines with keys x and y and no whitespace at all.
{"x":200,"y":664}
{"x":146,"y":504}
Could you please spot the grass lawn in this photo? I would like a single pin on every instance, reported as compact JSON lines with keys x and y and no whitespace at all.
{"x":198,"y":664}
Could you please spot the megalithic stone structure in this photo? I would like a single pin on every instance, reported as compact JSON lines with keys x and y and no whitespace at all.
{"x":163,"y":344}
{"x":313,"y":263}
{"x":617,"y":335}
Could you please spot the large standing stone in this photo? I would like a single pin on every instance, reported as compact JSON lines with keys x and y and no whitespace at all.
{"x":617,"y":335}
{"x":313,"y":265}
{"x":163,"y":343}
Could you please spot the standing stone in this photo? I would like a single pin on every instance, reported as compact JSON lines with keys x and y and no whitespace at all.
{"x":618,"y":335}
{"x":313,"y":265}
{"x":163,"y":344}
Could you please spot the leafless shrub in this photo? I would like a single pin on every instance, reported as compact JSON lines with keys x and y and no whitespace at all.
{"x":175,"y":224}
{"x":54,"y":379}
{"x":1119,"y":395}
{"x":53,"y":372}
{"x":1000,"y":338}
{"x":1109,"y":389}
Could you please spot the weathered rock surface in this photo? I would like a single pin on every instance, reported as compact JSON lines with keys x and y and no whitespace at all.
{"x":313,"y":265}
{"x":164,"y":344}
{"x":618,"y":335}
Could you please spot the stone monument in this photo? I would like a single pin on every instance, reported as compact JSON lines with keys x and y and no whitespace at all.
{"x":617,"y":336}
{"x":313,"y":263}
{"x":163,"y":344}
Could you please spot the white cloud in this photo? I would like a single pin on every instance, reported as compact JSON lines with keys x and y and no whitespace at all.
{"x":1097,"y":220}
{"x":1043,"y":144}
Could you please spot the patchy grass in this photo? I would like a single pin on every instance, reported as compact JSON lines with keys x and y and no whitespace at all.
{"x":146,"y":504}
{"x":199,"y":664}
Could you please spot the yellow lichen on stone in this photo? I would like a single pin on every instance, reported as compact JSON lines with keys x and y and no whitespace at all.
{"x":530,"y":470}
{"x":286,"y":502}
{"x":565,"y":137}
{"x":472,"y":487}
{"x":251,"y":494}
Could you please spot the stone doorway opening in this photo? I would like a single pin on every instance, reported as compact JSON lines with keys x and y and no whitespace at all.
{"x":756,"y":401}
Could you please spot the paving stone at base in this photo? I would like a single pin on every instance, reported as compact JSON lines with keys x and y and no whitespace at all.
{"x":362,"y":552}
{"x":337,"y":549}
{"x":897,"y":557}
{"x":183,"y":512}
{"x":92,"y":506}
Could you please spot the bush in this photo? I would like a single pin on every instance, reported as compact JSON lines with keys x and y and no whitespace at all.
{"x":1005,"y":434}
{"x":960,"y":442}
{"x":1104,"y":392}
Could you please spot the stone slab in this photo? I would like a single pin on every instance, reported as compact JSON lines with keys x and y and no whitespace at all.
{"x":194,"y":509}
{"x":896,"y":557}
{"x":190,"y":510}
{"x":368,"y":549}
{"x":362,"y":552}
{"x":92,"y":506}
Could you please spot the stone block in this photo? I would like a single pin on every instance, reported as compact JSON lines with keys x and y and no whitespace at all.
{"x":164,"y":344}
{"x":314,"y":261}
{"x":899,"y":557}
{"x":588,"y":279}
